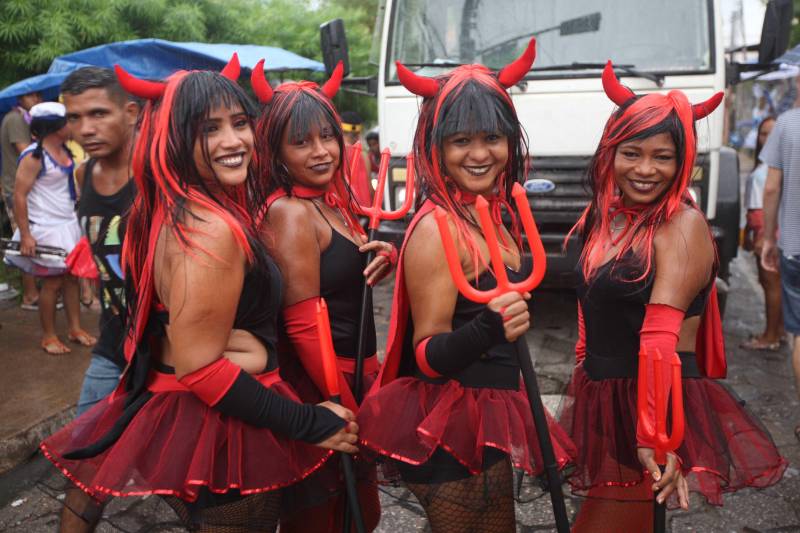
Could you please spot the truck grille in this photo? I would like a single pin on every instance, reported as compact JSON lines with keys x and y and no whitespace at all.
{"x":558,"y":210}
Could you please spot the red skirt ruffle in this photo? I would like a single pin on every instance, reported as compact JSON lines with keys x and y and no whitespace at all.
{"x":724,"y":449}
{"x":409,"y":418}
{"x":175,"y":445}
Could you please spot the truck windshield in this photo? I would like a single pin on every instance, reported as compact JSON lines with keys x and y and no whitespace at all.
{"x":432,"y":36}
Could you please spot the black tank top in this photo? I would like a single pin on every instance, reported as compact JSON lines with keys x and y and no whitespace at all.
{"x":340,"y":283}
{"x":103,"y":221}
{"x":259,"y":305}
{"x":498,"y":367}
{"x":613,"y":314}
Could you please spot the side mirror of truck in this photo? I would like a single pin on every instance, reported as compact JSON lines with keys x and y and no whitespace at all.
{"x":776,"y":30}
{"x":333,"y":41}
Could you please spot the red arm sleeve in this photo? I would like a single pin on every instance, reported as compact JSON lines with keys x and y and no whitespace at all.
{"x":660,"y":331}
{"x":301,"y":328}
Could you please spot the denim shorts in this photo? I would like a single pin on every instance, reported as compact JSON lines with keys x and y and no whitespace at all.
{"x":790,"y":293}
{"x":100,"y":380}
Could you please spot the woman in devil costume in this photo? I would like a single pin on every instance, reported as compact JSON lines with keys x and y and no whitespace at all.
{"x":201,"y":415}
{"x":312,"y":230}
{"x":448,"y":407}
{"x":648,"y":270}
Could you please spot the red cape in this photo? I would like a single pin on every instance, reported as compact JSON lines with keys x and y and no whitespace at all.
{"x":400,"y":309}
{"x":710,"y":344}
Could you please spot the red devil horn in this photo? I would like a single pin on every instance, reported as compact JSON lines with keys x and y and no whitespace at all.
{"x":515,"y":71}
{"x":419,"y":85}
{"x":618,"y":93}
{"x":232,"y":69}
{"x":260,"y":84}
{"x":151,"y":90}
{"x":703,"y":109}
{"x":331,"y":86}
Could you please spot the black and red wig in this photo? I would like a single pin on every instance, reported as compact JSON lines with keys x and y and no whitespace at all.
{"x":470,"y":99}
{"x":638,"y":117}
{"x":167,"y":179}
{"x":298,"y":107}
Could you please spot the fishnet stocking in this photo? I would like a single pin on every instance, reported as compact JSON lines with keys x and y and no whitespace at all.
{"x":479,"y":504}
{"x":80,"y":513}
{"x":249,"y":514}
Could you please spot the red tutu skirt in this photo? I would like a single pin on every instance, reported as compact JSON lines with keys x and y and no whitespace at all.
{"x":176,"y":444}
{"x":724,"y":449}
{"x":409,"y":418}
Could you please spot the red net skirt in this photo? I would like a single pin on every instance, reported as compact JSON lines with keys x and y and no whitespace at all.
{"x":409,"y":418}
{"x":725,"y":448}
{"x":176,"y":444}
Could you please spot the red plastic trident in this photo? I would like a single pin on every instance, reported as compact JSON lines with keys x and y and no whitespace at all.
{"x":331,"y":370}
{"x":374,"y":212}
{"x":523,"y":355}
{"x":498,"y":267}
{"x":657,"y":432}
{"x":330,"y":366}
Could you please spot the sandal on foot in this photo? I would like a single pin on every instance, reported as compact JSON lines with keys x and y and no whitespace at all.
{"x":53,"y":346}
{"x":29,"y":306}
{"x":82,"y":338}
{"x":754,"y":343}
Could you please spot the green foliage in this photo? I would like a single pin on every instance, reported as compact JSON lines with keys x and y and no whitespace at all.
{"x":34,"y":32}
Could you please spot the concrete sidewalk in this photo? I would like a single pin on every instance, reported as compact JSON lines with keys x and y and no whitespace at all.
{"x":38,"y":391}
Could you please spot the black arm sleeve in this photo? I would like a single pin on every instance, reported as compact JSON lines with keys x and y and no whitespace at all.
{"x":255,"y":404}
{"x":449,"y":353}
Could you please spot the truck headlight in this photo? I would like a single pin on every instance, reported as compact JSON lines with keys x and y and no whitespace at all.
{"x":399,"y":195}
{"x":696,"y":195}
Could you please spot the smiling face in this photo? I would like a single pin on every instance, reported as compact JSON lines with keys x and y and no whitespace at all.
{"x":312,"y":160}
{"x":475,"y":161}
{"x":645,"y":168}
{"x":101,"y":124}
{"x":228,"y":140}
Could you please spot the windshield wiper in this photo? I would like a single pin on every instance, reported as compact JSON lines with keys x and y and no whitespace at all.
{"x":658,"y":79}
{"x":443,"y":64}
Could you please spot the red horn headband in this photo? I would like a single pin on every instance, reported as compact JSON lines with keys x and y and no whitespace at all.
{"x":150,"y":90}
{"x":232,"y":69}
{"x":153,"y":90}
{"x":704,"y":109}
{"x":619,"y":94}
{"x":419,"y":85}
{"x":331,"y":87}
{"x":616,"y":92}
{"x":515,"y":71}
{"x":261,"y":86}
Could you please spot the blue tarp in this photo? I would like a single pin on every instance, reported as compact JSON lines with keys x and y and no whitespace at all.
{"x":155,"y":59}
{"x":791,"y":57}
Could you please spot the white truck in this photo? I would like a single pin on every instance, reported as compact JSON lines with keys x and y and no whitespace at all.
{"x":656,"y":45}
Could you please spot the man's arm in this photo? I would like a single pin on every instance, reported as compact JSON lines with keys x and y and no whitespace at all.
{"x":772,"y":199}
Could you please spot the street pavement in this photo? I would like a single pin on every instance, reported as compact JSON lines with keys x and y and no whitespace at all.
{"x":31,"y":494}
